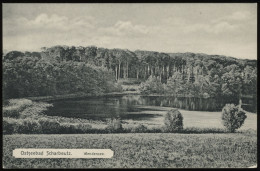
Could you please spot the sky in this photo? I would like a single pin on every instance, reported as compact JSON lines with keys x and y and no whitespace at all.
{"x":218,"y":29}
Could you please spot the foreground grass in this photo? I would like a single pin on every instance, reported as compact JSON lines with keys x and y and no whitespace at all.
{"x":161,"y":150}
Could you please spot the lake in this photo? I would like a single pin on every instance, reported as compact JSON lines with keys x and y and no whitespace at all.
{"x":136,"y":107}
{"x":148,"y":110}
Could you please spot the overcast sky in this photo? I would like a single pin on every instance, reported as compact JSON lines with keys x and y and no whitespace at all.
{"x":223,"y":29}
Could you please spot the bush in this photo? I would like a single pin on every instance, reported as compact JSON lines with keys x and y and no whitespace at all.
{"x":66,"y":128}
{"x":113,"y":87}
{"x":11,"y":111}
{"x":23,"y":126}
{"x":117,"y":87}
{"x":36,"y":109}
{"x":233,"y":117}
{"x":114,"y":125}
{"x":83,"y":128}
{"x":20,"y":102}
{"x":155,"y":130}
{"x":15,"y":107}
{"x":49,"y":126}
{"x":7,"y":127}
{"x":139,"y":129}
{"x":10,"y":125}
{"x":152,"y":85}
{"x":173,"y":121}
{"x":29,"y":126}
{"x":24,"y":108}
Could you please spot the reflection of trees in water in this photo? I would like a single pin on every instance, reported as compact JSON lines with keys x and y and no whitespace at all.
{"x":188,"y":103}
{"x":132,"y":99}
{"x":126,"y":106}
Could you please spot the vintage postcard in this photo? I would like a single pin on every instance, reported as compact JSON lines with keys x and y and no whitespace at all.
{"x":92,"y":85}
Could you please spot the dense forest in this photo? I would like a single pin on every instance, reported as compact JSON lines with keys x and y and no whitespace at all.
{"x":63,"y":69}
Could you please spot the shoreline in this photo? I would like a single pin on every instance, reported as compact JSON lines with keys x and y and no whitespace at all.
{"x":82,"y":95}
{"x":114,"y":94}
{"x":76,"y":95}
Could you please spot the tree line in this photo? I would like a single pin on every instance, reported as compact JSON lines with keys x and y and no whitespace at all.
{"x":63,"y":69}
{"x":28,"y":74}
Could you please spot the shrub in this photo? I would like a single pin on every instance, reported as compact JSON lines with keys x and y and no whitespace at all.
{"x":24,"y":108}
{"x":10,"y":125}
{"x":15,"y":107}
{"x":155,"y":130}
{"x":49,"y":126}
{"x":233,"y":117}
{"x":114,"y":125}
{"x":7,"y":127}
{"x":113,"y":87}
{"x":152,"y":85}
{"x":139,"y":129}
{"x":20,"y":102}
{"x":66,"y":128}
{"x":37,"y":108}
{"x":83,"y":128}
{"x":23,"y":126}
{"x":117,"y":87}
{"x":11,"y":111}
{"x":29,"y":126}
{"x":173,"y":121}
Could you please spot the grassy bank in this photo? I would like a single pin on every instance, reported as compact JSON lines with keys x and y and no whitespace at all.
{"x":161,"y":150}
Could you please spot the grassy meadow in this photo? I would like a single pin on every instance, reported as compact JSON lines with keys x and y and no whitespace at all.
{"x":198,"y":119}
{"x":150,"y":150}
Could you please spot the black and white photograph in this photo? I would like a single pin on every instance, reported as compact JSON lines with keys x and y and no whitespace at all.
{"x":129,"y":85}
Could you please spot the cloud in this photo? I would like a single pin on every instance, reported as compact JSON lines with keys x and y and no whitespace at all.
{"x":44,"y":22}
{"x":125,"y":28}
{"x":221,"y":27}
{"x":46,"y":30}
{"x":211,"y":28}
{"x":234,"y":17}
{"x":83,"y":22}
{"x":170,"y":33}
{"x":240,"y":15}
{"x":177,"y":25}
{"x":224,"y":24}
{"x":174,"y":21}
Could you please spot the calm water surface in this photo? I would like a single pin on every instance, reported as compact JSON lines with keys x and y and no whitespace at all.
{"x":136,"y":107}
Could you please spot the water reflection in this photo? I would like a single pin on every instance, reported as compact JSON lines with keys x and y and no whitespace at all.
{"x":134,"y":107}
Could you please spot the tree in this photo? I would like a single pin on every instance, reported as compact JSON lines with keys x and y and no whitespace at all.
{"x":26,"y":76}
{"x":249,"y":75}
{"x":173,"y":120}
{"x":13,"y":55}
{"x":152,"y":85}
{"x":176,"y":84}
{"x":232,"y":82}
{"x":233,"y":117}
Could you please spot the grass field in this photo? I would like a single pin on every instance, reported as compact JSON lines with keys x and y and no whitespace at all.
{"x":161,"y":150}
{"x":199,"y":119}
